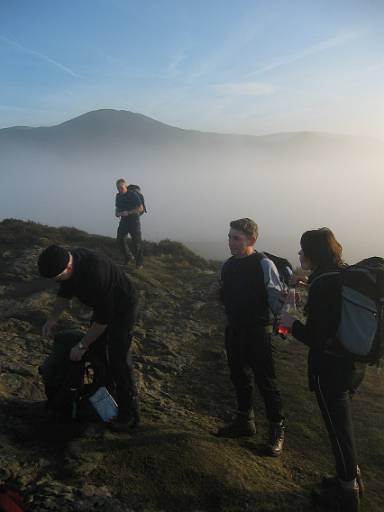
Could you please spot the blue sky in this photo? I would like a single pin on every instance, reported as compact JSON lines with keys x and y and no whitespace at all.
{"x":256,"y":67}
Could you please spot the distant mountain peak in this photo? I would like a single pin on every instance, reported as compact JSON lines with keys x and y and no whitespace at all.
{"x":111,"y":116}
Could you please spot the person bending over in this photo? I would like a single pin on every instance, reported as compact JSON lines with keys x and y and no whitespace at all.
{"x":97,"y":282}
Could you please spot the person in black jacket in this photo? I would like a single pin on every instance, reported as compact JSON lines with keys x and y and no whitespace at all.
{"x":97,"y":282}
{"x":250,"y":288}
{"x":332,"y":375}
{"x":129,"y":207}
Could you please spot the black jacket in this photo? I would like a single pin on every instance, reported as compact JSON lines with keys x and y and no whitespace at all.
{"x":243,"y":292}
{"x":127,"y":201}
{"x":323,"y":311}
{"x":100,"y":284}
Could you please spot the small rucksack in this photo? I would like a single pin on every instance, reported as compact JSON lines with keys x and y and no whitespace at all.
{"x":137,"y":189}
{"x":83,"y":378}
{"x":360,"y":333}
{"x":68,"y":383}
{"x":283,"y":266}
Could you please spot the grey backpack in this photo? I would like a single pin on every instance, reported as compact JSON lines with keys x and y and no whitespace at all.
{"x":360,"y":333}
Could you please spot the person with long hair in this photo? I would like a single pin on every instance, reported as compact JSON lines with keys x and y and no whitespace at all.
{"x":333,"y":376}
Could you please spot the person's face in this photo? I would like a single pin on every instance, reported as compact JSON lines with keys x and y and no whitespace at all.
{"x":239,"y":243}
{"x":304,"y":261}
{"x":66,"y":273}
{"x":122,"y":187}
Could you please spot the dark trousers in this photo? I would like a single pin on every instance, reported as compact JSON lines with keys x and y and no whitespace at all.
{"x":249,"y":353}
{"x":130,"y":226}
{"x":333,"y":387}
{"x":120,"y":366}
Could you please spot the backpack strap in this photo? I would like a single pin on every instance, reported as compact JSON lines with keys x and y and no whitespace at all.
{"x":324,"y":275}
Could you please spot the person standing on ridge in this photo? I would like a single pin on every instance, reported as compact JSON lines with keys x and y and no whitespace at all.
{"x":249,"y":288}
{"x":101,"y":284}
{"x":129,"y":206}
{"x":333,"y":375}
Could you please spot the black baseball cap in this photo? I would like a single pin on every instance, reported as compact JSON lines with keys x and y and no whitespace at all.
{"x":53,"y":260}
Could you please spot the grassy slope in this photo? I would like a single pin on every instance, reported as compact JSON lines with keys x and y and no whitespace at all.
{"x":173,"y":462}
{"x":177,"y":464}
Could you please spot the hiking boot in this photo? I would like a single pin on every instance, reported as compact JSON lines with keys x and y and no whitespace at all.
{"x":332,"y":480}
{"x":123,"y":424}
{"x":275,"y":441}
{"x":129,"y":420}
{"x":242,"y":426}
{"x":338,"y":498}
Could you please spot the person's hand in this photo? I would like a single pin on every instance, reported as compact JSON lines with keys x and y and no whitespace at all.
{"x":48,"y":327}
{"x":300,"y":280}
{"x":286,"y":320}
{"x":76,"y":353}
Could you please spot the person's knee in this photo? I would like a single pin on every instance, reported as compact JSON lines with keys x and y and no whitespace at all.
{"x":240,"y":377}
{"x":118,"y":369}
{"x":120,"y":360}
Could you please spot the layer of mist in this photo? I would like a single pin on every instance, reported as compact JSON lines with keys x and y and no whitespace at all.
{"x":195,"y":183}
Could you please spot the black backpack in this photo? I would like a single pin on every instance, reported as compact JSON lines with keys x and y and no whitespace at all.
{"x":82,"y":380}
{"x":283,"y":266}
{"x":136,"y":188}
{"x":360,"y":333}
{"x":68,"y":384}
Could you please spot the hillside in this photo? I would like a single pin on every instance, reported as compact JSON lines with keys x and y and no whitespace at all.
{"x":172,"y":462}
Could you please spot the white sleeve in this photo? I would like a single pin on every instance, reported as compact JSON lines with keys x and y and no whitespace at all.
{"x":273,"y":285}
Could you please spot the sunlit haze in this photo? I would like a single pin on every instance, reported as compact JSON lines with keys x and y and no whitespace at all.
{"x":304,"y":79}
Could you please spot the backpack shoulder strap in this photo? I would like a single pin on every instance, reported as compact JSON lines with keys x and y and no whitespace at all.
{"x":324,"y":275}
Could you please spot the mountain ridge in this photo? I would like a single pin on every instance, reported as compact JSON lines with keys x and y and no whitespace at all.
{"x":107,"y":116}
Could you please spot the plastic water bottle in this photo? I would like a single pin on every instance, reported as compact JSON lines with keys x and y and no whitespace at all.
{"x":290,"y":308}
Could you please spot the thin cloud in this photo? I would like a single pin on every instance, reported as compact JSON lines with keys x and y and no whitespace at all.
{"x":338,"y":40}
{"x":173,"y":66}
{"x":246,"y":89}
{"x":39,"y":55}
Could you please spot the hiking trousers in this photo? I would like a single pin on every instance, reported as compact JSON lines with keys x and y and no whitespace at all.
{"x":130,"y":226}
{"x":333,"y":389}
{"x":250,"y":360}
{"x":119,"y":334}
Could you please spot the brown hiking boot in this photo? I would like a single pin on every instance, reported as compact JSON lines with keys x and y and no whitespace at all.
{"x":338,"y":498}
{"x":275,"y":441}
{"x":242,"y":426}
{"x":331,"y":481}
